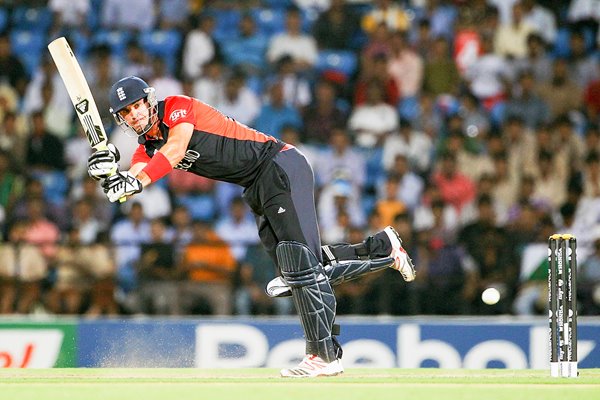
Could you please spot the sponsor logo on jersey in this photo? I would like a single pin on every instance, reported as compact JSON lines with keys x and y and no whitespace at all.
{"x":190,"y":158}
{"x":175,"y":115}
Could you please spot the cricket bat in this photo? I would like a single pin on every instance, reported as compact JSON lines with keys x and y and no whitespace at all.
{"x":80,"y":94}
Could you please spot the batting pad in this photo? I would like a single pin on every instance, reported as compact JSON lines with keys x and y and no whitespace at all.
{"x":343,"y":271}
{"x":312,"y":295}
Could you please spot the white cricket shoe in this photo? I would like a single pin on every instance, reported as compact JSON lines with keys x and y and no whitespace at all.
{"x":313,"y":366}
{"x":402,"y":261}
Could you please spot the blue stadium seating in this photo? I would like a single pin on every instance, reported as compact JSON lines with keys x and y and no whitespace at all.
{"x":561,"y":46}
{"x":162,"y":43}
{"x":269,"y":21}
{"x":342,"y":61}
{"x":3,"y":19}
{"x":116,"y":40}
{"x":28,"y":47}
{"x":37,"y":19}
{"x":226,"y":24}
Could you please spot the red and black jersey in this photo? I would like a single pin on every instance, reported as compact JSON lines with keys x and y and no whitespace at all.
{"x":220,"y":147}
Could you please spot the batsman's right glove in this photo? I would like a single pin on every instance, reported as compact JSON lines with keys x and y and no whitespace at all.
{"x":103,"y":162}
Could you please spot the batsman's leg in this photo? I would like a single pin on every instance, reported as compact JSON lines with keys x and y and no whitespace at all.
{"x":315,"y":303}
{"x":345,"y":262}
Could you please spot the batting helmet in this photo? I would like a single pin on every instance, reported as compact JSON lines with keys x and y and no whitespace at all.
{"x":127,"y":91}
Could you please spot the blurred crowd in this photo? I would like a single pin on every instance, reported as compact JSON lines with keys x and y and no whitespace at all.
{"x":471,"y":126}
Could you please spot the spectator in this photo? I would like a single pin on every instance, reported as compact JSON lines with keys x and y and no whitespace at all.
{"x":540,"y":19}
{"x":537,"y":60}
{"x":39,"y":230}
{"x":69,"y":16}
{"x":520,"y":145}
{"x":45,"y":151}
{"x":173,"y":14}
{"x":180,"y":232}
{"x":210,"y":86}
{"x":209,"y":265}
{"x":293,"y":42}
{"x":136,"y":61}
{"x":275,"y":114}
{"x":340,"y":158}
{"x":239,"y":101}
{"x":561,"y":93}
{"x":77,"y":265}
{"x":511,"y":38}
{"x":323,"y":114}
{"x":526,"y":104}
{"x":12,"y":70}
{"x":486,"y":244}
{"x":413,"y":144}
{"x":158,"y":273}
{"x":163,"y":80}
{"x":47,"y":92}
{"x":12,"y":183}
{"x":592,"y":101}
{"x":440,"y":74}
{"x":247,"y":51}
{"x":583,"y":65}
{"x":13,"y":138}
{"x":85,"y":222}
{"x":405,"y":66}
{"x":136,"y":15}
{"x":410,"y":185}
{"x":337,"y":197}
{"x":375,"y":69}
{"x":238,"y":229}
{"x":374,"y":120}
{"x":296,"y":88}
{"x":389,"y":205}
{"x":487,"y":76}
{"x":336,"y":27}
{"x":447,"y":272}
{"x":22,"y":270}
{"x":127,"y":234}
{"x":256,"y":270}
{"x":455,"y":188}
{"x":199,"y":47}
{"x":89,"y":191}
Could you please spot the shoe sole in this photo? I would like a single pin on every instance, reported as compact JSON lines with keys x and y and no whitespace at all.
{"x":395,"y":240}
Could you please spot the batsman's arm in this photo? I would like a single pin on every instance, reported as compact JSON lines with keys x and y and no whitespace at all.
{"x":167,"y":157}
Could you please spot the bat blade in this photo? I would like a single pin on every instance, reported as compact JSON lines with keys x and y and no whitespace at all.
{"x":79,"y":92}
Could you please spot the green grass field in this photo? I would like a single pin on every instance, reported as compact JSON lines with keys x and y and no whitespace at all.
{"x":265,"y":384}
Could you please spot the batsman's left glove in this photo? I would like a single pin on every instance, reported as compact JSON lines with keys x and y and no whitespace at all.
{"x":102,"y":163}
{"x":120,"y":185}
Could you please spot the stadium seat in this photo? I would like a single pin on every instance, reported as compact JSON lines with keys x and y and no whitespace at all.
{"x":38,"y":19}
{"x":3,"y":19}
{"x":28,"y":46}
{"x":116,"y":40}
{"x":561,"y":43}
{"x":269,"y":21}
{"x":342,"y":61}
{"x":226,"y":24}
{"x":162,"y":43}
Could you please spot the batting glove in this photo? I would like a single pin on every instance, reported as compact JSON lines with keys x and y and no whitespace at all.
{"x":120,"y":185}
{"x":103,"y":162}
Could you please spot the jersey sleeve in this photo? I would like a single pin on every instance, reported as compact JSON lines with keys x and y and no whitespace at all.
{"x":140,"y":155}
{"x":178,"y":109}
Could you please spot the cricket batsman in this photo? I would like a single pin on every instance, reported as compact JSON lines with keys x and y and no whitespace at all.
{"x":185,"y":133}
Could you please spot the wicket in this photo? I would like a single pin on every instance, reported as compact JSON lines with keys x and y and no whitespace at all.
{"x":562,"y":304}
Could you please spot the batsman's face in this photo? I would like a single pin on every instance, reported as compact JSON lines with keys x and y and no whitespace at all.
{"x":136,"y":115}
